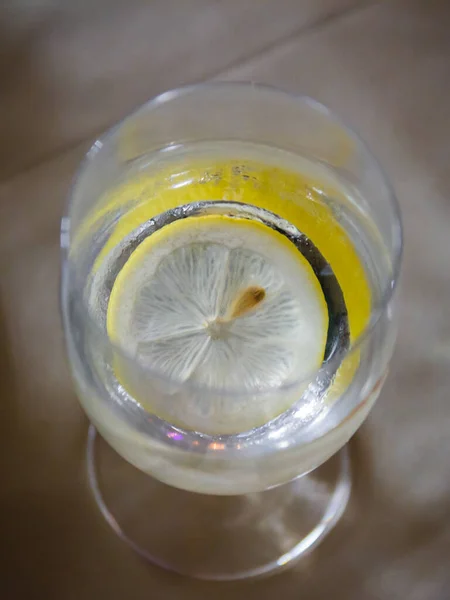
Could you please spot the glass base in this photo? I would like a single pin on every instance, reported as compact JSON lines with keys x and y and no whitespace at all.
{"x":217,"y":537}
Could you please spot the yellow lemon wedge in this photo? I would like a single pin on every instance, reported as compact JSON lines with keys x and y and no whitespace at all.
{"x":226,"y":303}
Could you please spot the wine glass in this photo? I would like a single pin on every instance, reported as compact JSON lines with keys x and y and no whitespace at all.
{"x":262,"y":489}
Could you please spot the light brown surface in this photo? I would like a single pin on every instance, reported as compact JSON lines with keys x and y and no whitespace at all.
{"x":69,"y":72}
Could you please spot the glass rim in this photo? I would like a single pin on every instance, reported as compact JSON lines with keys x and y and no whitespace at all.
{"x":376,"y":310}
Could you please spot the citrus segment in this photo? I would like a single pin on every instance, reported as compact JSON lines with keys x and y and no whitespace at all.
{"x":225,"y":303}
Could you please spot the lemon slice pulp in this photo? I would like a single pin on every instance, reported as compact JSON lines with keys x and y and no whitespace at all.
{"x":228,"y":304}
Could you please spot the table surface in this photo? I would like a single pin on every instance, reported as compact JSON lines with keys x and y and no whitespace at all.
{"x":71,"y":69}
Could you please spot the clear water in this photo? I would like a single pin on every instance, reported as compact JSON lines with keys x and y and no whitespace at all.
{"x":307,"y":432}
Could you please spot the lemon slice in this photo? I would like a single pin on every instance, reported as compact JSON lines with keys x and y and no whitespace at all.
{"x":226,"y":303}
